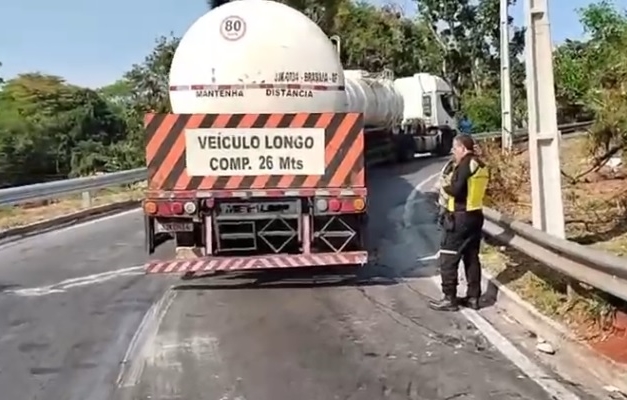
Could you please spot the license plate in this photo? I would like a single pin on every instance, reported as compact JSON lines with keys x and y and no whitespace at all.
{"x":161,"y":227}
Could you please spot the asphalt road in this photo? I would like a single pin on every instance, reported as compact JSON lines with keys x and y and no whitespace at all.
{"x":78,"y":321}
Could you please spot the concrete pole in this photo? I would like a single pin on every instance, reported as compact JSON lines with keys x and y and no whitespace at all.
{"x":506,"y":90}
{"x":544,"y":152}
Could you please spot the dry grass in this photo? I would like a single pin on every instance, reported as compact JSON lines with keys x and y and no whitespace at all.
{"x":595,"y":206}
{"x":11,"y":217}
{"x":588,"y":313}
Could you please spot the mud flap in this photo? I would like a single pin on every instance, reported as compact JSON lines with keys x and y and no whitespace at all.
{"x":149,"y":234}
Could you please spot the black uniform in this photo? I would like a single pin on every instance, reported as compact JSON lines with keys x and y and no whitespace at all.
{"x":463,"y":223}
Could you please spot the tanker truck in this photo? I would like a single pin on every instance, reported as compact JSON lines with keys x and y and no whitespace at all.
{"x":261,"y":163}
{"x":403,"y":116}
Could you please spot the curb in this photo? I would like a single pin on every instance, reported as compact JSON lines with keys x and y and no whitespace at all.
{"x":601,"y":367}
{"x":21,"y":232}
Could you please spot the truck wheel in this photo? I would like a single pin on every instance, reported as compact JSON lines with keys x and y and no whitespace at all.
{"x":405,"y":149}
{"x":445,"y":143}
{"x":149,"y":234}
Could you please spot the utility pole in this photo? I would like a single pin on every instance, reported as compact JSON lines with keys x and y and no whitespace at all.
{"x":544,"y":152}
{"x":506,"y":89}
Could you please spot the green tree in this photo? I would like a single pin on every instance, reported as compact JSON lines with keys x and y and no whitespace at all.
{"x":590,"y":75}
{"x":44,"y":125}
{"x":467,"y":35}
{"x":143,"y":89}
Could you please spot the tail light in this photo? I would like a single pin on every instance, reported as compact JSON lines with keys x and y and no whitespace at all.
{"x":335,"y":205}
{"x":353,"y":204}
{"x":169,"y":208}
{"x":175,"y":208}
{"x":359,"y":204}
{"x":189,"y":207}
{"x":150,"y":207}
{"x":322,"y":205}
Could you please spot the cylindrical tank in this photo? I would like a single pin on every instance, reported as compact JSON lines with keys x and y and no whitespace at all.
{"x":377,"y":98}
{"x":256,"y":56}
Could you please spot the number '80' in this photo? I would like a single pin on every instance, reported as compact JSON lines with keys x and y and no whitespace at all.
{"x":233,"y":25}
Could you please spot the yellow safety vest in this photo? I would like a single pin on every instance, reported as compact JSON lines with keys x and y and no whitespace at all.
{"x":477,"y":185}
{"x":445,"y":179}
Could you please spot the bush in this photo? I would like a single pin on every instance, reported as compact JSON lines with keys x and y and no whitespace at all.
{"x":509,"y":176}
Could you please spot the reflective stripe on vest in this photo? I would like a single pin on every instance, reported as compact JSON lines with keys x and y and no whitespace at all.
{"x":477,"y":186}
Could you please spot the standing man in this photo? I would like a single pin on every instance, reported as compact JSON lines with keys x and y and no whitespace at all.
{"x":462,"y":223}
{"x":465,"y":125}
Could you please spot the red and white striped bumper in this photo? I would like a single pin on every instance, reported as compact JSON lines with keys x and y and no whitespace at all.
{"x":210,"y":264}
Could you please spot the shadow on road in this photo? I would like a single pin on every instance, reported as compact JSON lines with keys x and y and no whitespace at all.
{"x":398,"y":238}
{"x":289,"y":279}
{"x":7,"y":286}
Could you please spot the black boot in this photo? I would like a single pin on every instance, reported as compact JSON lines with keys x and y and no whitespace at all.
{"x":470,"y":302}
{"x":448,"y":303}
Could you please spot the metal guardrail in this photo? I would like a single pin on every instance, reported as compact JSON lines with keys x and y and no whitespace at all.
{"x":596,"y":268}
{"x":50,"y":190}
{"x":522,"y":133}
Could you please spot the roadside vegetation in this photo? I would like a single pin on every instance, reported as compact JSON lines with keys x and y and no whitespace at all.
{"x":590,"y":81}
{"x":30,"y":213}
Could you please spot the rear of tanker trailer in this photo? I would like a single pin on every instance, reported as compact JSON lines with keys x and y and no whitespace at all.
{"x":260,"y":165}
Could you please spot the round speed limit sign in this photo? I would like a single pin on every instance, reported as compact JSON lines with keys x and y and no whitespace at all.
{"x":233,"y":28}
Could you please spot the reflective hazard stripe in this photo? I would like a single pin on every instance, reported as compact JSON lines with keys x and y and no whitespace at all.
{"x":166,"y":152}
{"x":444,"y":251}
{"x":184,"y":88}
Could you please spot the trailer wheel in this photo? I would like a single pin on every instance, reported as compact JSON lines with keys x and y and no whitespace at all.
{"x":445,"y":142}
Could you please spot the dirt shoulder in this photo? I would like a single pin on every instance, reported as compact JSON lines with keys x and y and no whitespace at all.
{"x":11,"y":217}
{"x":595,"y":207}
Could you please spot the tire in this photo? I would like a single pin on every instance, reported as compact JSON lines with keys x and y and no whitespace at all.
{"x":445,"y":144}
{"x":404,"y":149}
{"x":149,"y":235}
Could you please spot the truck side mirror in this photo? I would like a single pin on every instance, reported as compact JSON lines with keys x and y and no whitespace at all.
{"x":454,"y":103}
{"x":337,"y":42}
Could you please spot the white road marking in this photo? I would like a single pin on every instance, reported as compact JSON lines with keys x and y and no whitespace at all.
{"x":411,"y":199}
{"x":63,"y":286}
{"x":524,"y":363}
{"x":135,"y":356}
{"x":429,"y":258}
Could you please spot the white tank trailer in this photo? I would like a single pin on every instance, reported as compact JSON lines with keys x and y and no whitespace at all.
{"x":251,"y":56}
{"x":375,"y":97}
{"x":410,"y":115}
{"x":265,"y":48}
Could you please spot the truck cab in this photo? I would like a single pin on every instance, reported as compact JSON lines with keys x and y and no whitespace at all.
{"x":429,"y":112}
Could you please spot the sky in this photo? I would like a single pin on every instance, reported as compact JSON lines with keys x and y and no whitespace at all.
{"x":92,"y":43}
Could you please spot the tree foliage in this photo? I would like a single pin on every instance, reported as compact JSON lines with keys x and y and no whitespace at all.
{"x":50,"y":129}
{"x":591,"y":76}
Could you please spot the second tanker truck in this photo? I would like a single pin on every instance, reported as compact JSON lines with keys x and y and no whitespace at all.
{"x":261,"y":163}
{"x":403,"y":116}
